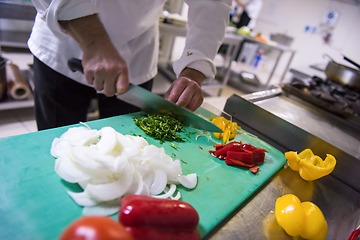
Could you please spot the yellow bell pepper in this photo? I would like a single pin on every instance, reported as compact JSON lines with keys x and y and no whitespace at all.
{"x":228,"y":127}
{"x":310,"y":166}
{"x":300,"y":219}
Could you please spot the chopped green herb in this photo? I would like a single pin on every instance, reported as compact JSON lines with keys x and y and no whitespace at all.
{"x":173,"y":154}
{"x":173,"y":145}
{"x":183,"y":161}
{"x":189,"y":133}
{"x":208,"y":178}
{"x":162,"y":127}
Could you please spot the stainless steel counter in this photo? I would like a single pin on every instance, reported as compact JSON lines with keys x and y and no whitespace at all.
{"x":319,"y":122}
{"x":287,"y":125}
{"x":256,"y":219}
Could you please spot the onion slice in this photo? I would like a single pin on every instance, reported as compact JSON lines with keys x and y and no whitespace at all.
{"x":168,"y":192}
{"x":72,"y":172}
{"x":159,"y":183}
{"x":82,"y":199}
{"x":188,"y":181}
{"x":102,"y":209}
{"x":81,"y":136}
{"x":110,"y":191}
{"x":60,"y":148}
{"x":108,"y":140}
{"x":109,"y":165}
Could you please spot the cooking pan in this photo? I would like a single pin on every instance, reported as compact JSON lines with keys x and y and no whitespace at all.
{"x":342,"y":74}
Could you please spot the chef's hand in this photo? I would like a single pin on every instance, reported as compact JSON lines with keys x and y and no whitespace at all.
{"x":104,"y":68}
{"x":186,"y":90}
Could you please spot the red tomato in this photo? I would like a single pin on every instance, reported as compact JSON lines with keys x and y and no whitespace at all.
{"x":95,"y":228}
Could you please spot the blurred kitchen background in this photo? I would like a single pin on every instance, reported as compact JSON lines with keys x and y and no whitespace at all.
{"x":292,"y":39}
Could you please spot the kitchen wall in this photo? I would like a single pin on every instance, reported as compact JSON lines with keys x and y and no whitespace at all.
{"x":292,"y":16}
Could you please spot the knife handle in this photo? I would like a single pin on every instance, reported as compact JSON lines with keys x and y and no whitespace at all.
{"x":75,"y":65}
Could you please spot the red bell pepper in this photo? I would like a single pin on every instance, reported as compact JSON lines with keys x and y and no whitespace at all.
{"x":258,"y":156}
{"x":232,"y":146}
{"x":152,"y":218}
{"x":254,"y":169}
{"x":244,"y":157}
{"x":237,"y":153}
{"x":234,"y":162}
{"x":354,"y":235}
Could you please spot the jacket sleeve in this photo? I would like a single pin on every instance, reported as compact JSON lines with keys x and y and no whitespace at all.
{"x":51,"y":11}
{"x":208,"y":21}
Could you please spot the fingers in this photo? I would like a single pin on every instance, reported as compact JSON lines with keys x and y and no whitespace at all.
{"x":122,"y":83}
{"x":110,"y":79}
{"x":186,"y":93}
{"x":99,"y":78}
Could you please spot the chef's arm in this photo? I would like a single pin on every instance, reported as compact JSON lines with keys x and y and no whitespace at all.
{"x":104,"y":68}
{"x":208,"y":21}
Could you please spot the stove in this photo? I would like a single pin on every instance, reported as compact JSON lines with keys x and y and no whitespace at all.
{"x":326,"y":94}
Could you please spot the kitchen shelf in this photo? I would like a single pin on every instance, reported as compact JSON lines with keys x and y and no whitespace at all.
{"x":9,"y":103}
{"x":14,"y":39}
{"x":16,"y":10}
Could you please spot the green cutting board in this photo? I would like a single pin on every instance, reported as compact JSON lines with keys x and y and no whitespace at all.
{"x":33,"y":199}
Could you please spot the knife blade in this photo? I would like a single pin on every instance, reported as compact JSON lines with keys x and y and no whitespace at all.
{"x":152,"y":103}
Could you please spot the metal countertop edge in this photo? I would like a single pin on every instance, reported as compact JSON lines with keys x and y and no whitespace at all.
{"x":346,"y":169}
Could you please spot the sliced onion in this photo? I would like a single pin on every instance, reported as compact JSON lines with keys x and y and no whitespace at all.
{"x":172,"y":169}
{"x":108,"y":140}
{"x":82,"y":199}
{"x":128,"y":146}
{"x":60,"y":148}
{"x":159,"y":183}
{"x":102,"y":209}
{"x":109,"y":191}
{"x":147,"y":174}
{"x":114,"y":166}
{"x":188,"y":181}
{"x":177,"y":196}
{"x":72,"y":172}
{"x":142,"y":188}
{"x":83,"y":184}
{"x":86,"y":156}
{"x":168,"y":193}
{"x":141,"y":142}
{"x":120,"y":163}
{"x":81,"y":136}
{"x":137,"y":187}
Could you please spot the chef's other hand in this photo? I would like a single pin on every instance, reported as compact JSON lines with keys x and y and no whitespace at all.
{"x":104,"y":68}
{"x":186,"y":90}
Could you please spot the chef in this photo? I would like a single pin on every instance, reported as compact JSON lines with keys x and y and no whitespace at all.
{"x":118,"y":42}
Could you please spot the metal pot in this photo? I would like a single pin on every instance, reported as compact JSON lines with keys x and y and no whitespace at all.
{"x":342,"y":74}
{"x":3,"y":82}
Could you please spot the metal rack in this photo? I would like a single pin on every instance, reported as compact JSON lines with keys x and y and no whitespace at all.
{"x":16,"y":10}
{"x":23,"y":11}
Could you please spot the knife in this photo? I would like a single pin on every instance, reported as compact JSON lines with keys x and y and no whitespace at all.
{"x":150,"y":102}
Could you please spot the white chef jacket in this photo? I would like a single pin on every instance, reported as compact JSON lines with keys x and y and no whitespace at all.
{"x":133,"y":27}
{"x":253,"y":9}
